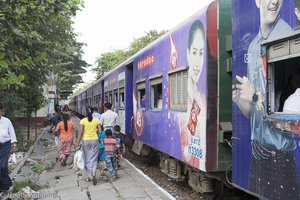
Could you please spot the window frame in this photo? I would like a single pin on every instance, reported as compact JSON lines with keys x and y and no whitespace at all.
{"x":154,"y":87}
{"x":178,"y":100}
{"x":141,"y":85}
{"x":122,"y":98}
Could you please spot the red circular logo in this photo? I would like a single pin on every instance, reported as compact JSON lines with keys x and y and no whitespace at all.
{"x":139,"y":123}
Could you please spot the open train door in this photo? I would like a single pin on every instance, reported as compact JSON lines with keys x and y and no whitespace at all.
{"x":129,"y":98}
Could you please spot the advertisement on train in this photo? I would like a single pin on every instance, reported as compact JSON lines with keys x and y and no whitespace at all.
{"x":266,"y":114}
{"x":171,"y":93}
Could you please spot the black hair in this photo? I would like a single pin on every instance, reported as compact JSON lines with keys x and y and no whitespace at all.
{"x":108,"y":132}
{"x":197,"y":24}
{"x":65,"y":117}
{"x":107,"y":105}
{"x":1,"y":106}
{"x":297,"y":4}
{"x":57,"y":108}
{"x":89,"y":113}
{"x":92,"y":109}
{"x":117,"y":128}
{"x":66,"y":107}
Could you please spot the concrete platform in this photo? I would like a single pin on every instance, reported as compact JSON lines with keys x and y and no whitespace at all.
{"x":64,"y":184}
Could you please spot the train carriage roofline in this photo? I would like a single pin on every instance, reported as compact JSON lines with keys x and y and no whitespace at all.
{"x":158,"y":40}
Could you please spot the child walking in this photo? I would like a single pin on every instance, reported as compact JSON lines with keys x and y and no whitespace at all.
{"x":120,"y":147}
{"x":101,"y":156}
{"x":109,"y":146}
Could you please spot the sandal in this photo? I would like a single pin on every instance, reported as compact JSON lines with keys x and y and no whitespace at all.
{"x":87,"y":179}
{"x":63,"y":163}
{"x":94,"y":181}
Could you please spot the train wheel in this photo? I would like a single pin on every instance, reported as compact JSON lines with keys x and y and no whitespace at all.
{"x":217,"y":193}
{"x":209,"y":187}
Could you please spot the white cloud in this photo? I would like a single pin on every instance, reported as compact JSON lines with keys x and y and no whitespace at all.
{"x":105,"y":25}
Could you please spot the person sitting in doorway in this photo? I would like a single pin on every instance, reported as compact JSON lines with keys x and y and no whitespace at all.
{"x":292,"y":102}
{"x":290,"y":89}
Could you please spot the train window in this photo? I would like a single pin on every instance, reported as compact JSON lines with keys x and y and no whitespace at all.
{"x":110,"y":96}
{"x":280,"y":82}
{"x":116,"y":98}
{"x":283,"y":70}
{"x":106,"y":96}
{"x":121,"y":98}
{"x":141,"y":101}
{"x":178,"y":90}
{"x":97,"y":100}
{"x":156,"y":93}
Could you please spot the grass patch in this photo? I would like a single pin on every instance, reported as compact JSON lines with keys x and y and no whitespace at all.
{"x":38,"y":166}
{"x":19,"y":185}
{"x":49,"y":165}
{"x":23,"y":144}
{"x":46,"y":142}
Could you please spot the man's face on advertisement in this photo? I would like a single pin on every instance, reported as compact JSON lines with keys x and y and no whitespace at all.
{"x":269,"y":10}
{"x":297,"y":12}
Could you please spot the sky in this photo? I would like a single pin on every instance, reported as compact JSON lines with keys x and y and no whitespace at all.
{"x":108,"y":25}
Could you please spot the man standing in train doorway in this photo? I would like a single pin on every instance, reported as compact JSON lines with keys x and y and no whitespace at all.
{"x":109,"y":118}
{"x":273,"y":169}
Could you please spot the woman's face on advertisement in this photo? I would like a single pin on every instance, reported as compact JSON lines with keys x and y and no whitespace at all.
{"x":195,"y":56}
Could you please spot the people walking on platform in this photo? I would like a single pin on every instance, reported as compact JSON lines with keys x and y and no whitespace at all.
{"x":67,"y":110}
{"x":110,"y":160}
{"x":109,"y":118}
{"x":96,"y":113}
{"x":89,"y":129}
{"x":55,"y":119}
{"x":66,"y":129}
{"x":120,"y":147}
{"x":7,"y":144}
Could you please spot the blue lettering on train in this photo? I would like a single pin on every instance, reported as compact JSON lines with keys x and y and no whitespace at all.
{"x":195,"y":151}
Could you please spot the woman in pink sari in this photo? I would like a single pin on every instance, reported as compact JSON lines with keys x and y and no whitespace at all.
{"x":66,"y":128}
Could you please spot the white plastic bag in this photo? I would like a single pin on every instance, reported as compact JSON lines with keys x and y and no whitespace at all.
{"x":56,"y":140}
{"x":13,"y":158}
{"x":78,"y":161}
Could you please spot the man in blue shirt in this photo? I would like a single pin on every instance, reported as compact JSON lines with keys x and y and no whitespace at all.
{"x":273,"y":170}
{"x":95,"y":113}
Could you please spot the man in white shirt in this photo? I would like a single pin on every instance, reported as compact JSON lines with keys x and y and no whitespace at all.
{"x":292,"y":103}
{"x":7,"y":139}
{"x":109,"y":118}
{"x":291,"y":95}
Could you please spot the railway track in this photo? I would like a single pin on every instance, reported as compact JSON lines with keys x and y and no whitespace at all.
{"x":180,"y":190}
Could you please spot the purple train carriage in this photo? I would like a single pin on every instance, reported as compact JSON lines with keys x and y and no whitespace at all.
{"x":211,"y":96}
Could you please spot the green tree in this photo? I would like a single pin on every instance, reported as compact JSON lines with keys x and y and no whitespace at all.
{"x":37,"y":38}
{"x":109,"y":60}
{"x":139,"y":43}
